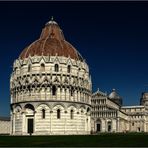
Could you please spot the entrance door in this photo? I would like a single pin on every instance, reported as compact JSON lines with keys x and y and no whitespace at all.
{"x":98,"y":127}
{"x":109,"y":126}
{"x":30,"y":126}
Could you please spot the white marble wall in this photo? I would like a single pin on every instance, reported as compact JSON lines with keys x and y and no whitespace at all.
{"x":4,"y":127}
{"x":34,"y":87}
{"x":50,"y":125}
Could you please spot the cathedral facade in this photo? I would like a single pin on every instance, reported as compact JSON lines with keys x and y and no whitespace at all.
{"x":50,"y":88}
{"x":109,"y":115}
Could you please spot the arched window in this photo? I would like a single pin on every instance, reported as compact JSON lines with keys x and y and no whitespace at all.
{"x":88,"y":109}
{"x":58,"y":114}
{"x":71,"y":114}
{"x":68,"y":69}
{"x":42,"y":67}
{"x":29,"y":68}
{"x":56,"y":68}
{"x":54,"y":90}
{"x":43,"y":113}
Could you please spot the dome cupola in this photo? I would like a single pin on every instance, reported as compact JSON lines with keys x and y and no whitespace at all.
{"x":51,"y":43}
{"x":115,"y":97}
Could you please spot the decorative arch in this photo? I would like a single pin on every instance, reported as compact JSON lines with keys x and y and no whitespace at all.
{"x":82,"y":106}
{"x":98,"y":120}
{"x":35,"y":80}
{"x":82,"y":109}
{"x":65,"y":80}
{"x":45,"y":80}
{"x":72,"y":105}
{"x":43,"y":106}
{"x":69,"y":61}
{"x":56,"y":79}
{"x":29,"y":109}
{"x":17,"y":108}
{"x":59,"y":105}
{"x":29,"y":106}
{"x":56,"y":59}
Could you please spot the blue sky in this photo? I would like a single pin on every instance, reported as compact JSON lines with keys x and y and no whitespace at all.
{"x":111,"y":36}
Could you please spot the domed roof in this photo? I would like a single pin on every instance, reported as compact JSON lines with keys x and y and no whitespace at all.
{"x":114,"y":95}
{"x":51,"y":43}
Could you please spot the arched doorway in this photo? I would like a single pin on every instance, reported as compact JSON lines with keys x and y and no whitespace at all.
{"x":109,"y":126}
{"x":29,"y":109}
{"x":98,"y":125}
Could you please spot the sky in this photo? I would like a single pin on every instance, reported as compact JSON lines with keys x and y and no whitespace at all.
{"x":111,"y":36}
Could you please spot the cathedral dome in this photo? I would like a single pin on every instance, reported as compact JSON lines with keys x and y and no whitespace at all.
{"x":115,"y":97}
{"x":51,"y":43}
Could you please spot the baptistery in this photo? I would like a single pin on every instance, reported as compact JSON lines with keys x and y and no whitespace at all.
{"x":50,"y":87}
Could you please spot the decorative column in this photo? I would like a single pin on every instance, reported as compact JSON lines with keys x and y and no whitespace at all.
{"x":118,"y":124}
{"x":67,"y":95}
{"x":34,"y":123}
{"x":79,"y":96}
{"x":144,"y":125}
{"x":50,"y":92}
{"x":58,"y":93}
{"x":23,"y":123}
{"x":62,"y":93}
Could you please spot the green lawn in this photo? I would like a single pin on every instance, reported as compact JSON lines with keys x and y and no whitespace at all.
{"x":106,"y":140}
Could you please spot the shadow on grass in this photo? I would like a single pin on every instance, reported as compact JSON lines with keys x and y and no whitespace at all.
{"x":106,"y":140}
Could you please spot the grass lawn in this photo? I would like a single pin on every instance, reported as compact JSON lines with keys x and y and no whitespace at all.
{"x":103,"y":140}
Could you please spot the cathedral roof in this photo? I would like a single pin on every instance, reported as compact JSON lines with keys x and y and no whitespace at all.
{"x":51,"y":43}
{"x":114,"y":95}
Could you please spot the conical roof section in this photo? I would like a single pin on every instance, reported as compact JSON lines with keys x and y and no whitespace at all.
{"x":51,"y":43}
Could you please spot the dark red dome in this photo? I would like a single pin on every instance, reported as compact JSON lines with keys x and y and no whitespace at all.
{"x":51,"y":43}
